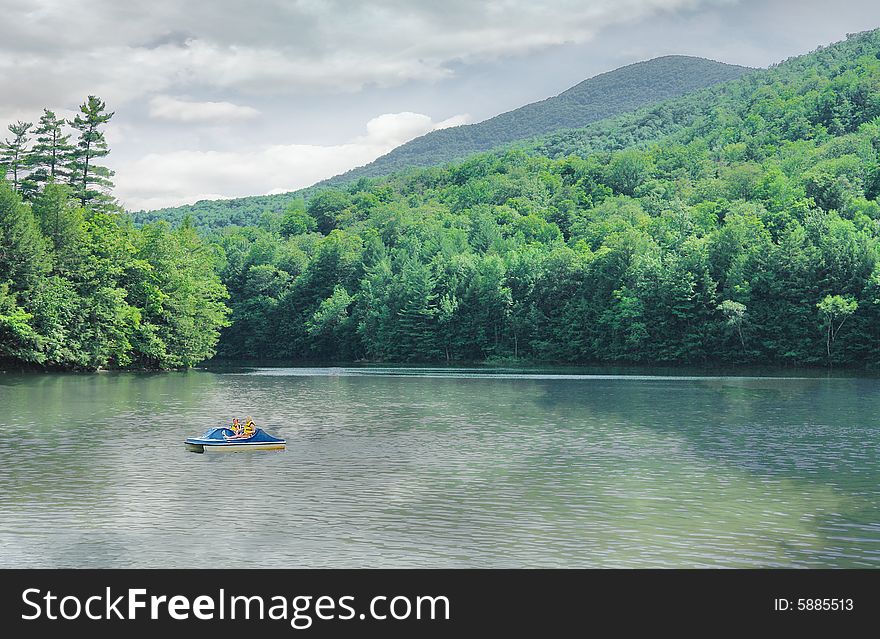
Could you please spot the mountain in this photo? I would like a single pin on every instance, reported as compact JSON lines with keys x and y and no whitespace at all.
{"x":607,"y":94}
{"x":739,"y":225}
{"x":615,"y":92}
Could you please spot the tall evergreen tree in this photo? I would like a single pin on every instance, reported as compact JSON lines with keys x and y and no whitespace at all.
{"x":14,"y":155}
{"x":52,"y":151}
{"x":90,"y":180}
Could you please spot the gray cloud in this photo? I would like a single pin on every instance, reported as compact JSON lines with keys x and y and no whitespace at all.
{"x":217,"y":88}
{"x":128,"y":50}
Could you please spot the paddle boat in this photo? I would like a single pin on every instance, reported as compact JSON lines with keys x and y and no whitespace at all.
{"x":226,"y":440}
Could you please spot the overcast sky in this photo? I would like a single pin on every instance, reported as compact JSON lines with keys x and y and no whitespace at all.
{"x":230,"y":98}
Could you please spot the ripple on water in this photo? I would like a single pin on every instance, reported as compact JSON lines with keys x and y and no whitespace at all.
{"x":409,"y":467}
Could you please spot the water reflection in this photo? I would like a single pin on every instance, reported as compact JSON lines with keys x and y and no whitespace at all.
{"x":442,"y":467}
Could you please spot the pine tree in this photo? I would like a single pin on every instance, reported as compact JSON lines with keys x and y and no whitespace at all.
{"x":14,"y":153}
{"x":60,"y":221}
{"x":88,"y":179}
{"x":52,"y":151}
{"x":24,"y":260}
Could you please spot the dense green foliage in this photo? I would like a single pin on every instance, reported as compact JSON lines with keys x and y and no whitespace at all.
{"x":80,"y":287}
{"x":602,"y":96}
{"x":740,"y":225}
{"x":206,"y":215}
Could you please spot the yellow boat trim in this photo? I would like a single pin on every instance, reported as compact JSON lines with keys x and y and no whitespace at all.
{"x":268,"y":446}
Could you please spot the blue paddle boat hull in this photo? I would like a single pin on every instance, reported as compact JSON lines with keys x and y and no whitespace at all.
{"x":222,"y":440}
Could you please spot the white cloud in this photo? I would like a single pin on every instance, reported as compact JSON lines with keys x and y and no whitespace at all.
{"x":393,"y":129}
{"x":181,"y":177}
{"x":164,"y":107}
{"x":455,"y":120}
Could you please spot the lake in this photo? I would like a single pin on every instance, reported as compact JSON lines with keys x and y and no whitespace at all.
{"x":441,"y":467}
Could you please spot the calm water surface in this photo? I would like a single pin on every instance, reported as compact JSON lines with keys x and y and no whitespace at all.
{"x":393,"y":467}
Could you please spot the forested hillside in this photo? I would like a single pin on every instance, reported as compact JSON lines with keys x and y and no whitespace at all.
{"x":80,"y":287}
{"x":740,"y":225}
{"x":216,"y":214}
{"x":620,"y":91}
{"x":747,"y":235}
{"x":608,"y":94}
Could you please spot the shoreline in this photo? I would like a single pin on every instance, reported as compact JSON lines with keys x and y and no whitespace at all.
{"x":708,"y":369}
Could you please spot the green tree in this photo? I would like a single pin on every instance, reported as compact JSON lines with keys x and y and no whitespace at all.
{"x":296,"y":220}
{"x":14,"y":152}
{"x":109,"y":316}
{"x":834,"y":310}
{"x":330,"y":324}
{"x":326,"y":208}
{"x":628,"y":170}
{"x":18,"y":339}
{"x":180,"y":297}
{"x":24,"y":260}
{"x":52,"y":150}
{"x":89,"y":179}
{"x":61,"y":223}
{"x":735,"y":316}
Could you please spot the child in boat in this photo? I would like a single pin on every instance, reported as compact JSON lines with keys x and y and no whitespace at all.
{"x":242,"y":431}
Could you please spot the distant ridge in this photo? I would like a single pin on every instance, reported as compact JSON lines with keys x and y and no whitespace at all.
{"x":608,"y":94}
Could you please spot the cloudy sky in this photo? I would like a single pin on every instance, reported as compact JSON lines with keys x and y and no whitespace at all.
{"x":229,"y":98}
